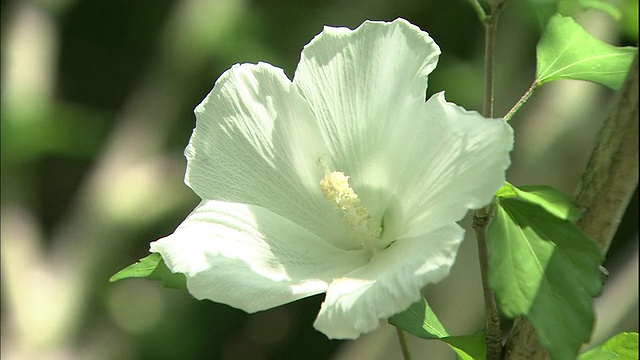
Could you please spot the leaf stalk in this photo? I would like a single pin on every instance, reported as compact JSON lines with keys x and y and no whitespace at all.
{"x":522,"y":100}
{"x":404,"y":345}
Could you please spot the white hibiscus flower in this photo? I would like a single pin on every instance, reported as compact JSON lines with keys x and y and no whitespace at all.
{"x":342,"y":181}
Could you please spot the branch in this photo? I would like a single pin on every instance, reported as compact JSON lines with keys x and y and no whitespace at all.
{"x":611,"y":176}
{"x":603,"y":194}
{"x":493,"y":333}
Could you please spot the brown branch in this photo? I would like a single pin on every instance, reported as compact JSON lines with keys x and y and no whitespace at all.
{"x":493,"y":333}
{"x":611,"y":176}
{"x":603,"y":194}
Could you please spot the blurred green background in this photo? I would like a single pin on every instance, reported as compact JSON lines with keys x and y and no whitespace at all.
{"x":97,"y":101}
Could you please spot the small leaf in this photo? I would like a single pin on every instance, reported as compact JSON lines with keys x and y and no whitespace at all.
{"x":469,"y":347}
{"x":420,"y":320}
{"x":567,"y":51}
{"x":550,"y":199}
{"x":553,"y":201}
{"x":546,"y":269}
{"x":507,"y":190}
{"x":623,"y":346}
{"x":152,"y":267}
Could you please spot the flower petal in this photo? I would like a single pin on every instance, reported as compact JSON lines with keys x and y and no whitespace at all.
{"x":458,"y":161}
{"x":256,"y":142}
{"x":250,"y":258}
{"x":389,"y":284}
{"x":358,"y":83}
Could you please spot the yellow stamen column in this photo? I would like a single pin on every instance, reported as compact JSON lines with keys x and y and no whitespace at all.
{"x":363,"y":229}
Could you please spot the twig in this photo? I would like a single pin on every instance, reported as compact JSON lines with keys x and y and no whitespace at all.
{"x":478,"y":8}
{"x":493,"y":336}
{"x":489,"y":58}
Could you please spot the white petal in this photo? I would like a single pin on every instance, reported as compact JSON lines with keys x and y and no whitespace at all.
{"x":250,"y":258}
{"x":256,"y":142}
{"x":458,"y":161}
{"x":359,"y":82}
{"x":389,"y":284}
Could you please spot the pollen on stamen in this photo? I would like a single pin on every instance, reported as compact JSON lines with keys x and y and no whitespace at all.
{"x":336,"y":189}
{"x":362,"y":227}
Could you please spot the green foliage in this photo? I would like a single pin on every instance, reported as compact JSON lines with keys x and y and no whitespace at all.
{"x":545,"y":9}
{"x":152,"y":267}
{"x":507,"y":190}
{"x":567,"y":51}
{"x":629,"y":20}
{"x":36,"y":132}
{"x":623,"y":346}
{"x":553,"y":201}
{"x":420,"y":320}
{"x":543,"y":267}
{"x":568,"y":7}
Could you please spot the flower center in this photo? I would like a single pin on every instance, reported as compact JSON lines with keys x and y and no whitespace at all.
{"x":363,"y":229}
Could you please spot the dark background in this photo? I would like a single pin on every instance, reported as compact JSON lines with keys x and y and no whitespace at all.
{"x":97,"y":101}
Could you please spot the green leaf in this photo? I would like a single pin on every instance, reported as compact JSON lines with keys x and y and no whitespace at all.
{"x":623,"y":346}
{"x":553,"y":201}
{"x":152,"y":267}
{"x":629,"y":20}
{"x":420,"y":320}
{"x":507,"y":190}
{"x":546,"y":269}
{"x":550,"y":199}
{"x":468,"y":347}
{"x":570,"y":7}
{"x":567,"y":51}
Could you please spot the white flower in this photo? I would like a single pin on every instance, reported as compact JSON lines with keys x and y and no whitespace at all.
{"x":342,"y":181}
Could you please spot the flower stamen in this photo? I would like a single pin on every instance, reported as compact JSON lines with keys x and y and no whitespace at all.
{"x":363,"y":229}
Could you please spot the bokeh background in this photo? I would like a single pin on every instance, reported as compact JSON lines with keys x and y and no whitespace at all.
{"x":97,"y":101}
